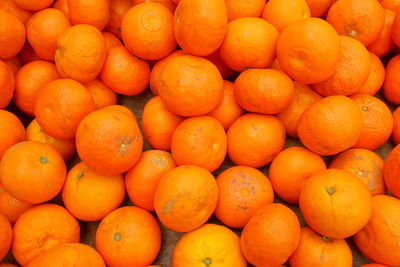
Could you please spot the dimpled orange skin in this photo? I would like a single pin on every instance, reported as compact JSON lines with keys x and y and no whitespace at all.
{"x":319,"y":251}
{"x":396,"y":126}
{"x":12,"y":35}
{"x":22,"y":14}
{"x":124,"y":73}
{"x":141,"y":181}
{"x":12,"y":131}
{"x":148,"y":31}
{"x":264,"y":91}
{"x":200,"y":25}
{"x":128,"y":237}
{"x":80,"y":53}
{"x":249,"y":43}
{"x":335,"y":203}
{"x":391,"y":171}
{"x":63,"y":255}
{"x":255,"y":139}
{"x":242,"y":192}
{"x":305,"y":53}
{"x":366,"y":164}
{"x":118,"y":10}
{"x":5,"y":236}
{"x":384,"y":44}
{"x":92,"y":12}
{"x":360,"y":19}
{"x":7,"y":84}
{"x":239,"y":9}
{"x":336,"y":117}
{"x":271,"y":235}
{"x":376,"y":77}
{"x":351,"y":72}
{"x":392,"y":81}
{"x":185,"y":198}
{"x":190,"y":86}
{"x":102,"y":95}
{"x":379,"y":241}
{"x":318,"y":8}
{"x":199,"y":141}
{"x":11,"y":207}
{"x":41,"y":228}
{"x":61,"y":105}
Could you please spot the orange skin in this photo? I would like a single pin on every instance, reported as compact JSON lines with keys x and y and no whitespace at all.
{"x":11,"y":207}
{"x":255,"y":139}
{"x":185,"y":198}
{"x":249,"y":43}
{"x":14,"y":64}
{"x":242,"y":192}
{"x":156,"y":114}
{"x":27,"y":54}
{"x":80,"y":53}
{"x":118,"y":10}
{"x":395,"y":32}
{"x":391,"y":171}
{"x":167,"y":3}
{"x":11,"y":131}
{"x":78,"y":255}
{"x":366,"y":164}
{"x":379,"y":241}
{"x":392,"y":81}
{"x":320,"y":251}
{"x":290,"y":170}
{"x":360,"y":19}
{"x":377,"y":120}
{"x":318,"y":8}
{"x":309,"y":50}
{"x":271,"y":235}
{"x":206,"y":245}
{"x":7,"y":84}
{"x":335,"y":203}
{"x":66,"y":147}
{"x":199,"y":141}
{"x":22,"y":14}
{"x":128,"y":237}
{"x":304,"y":97}
{"x":41,"y":228}
{"x":123,"y":109}
{"x":124,"y":73}
{"x":384,"y":44}
{"x":228,"y":110}
{"x":29,"y":80}
{"x":119,"y":146}
{"x":281,"y":13}
{"x":62,"y":5}
{"x":182,"y":91}
{"x":375,"y":78}
{"x":90,"y":196}
{"x":338,"y":117}
{"x":239,"y":9}
{"x":12,"y":34}
{"x":141,"y":181}
{"x":351,"y":72}
{"x":92,"y":12}
{"x":264,"y":91}
{"x":393,"y":5}
{"x":110,"y":40}
{"x":373,"y":265}
{"x":5,"y":236}
{"x":216,"y":59}
{"x":60,"y":107}
{"x":396,"y":126}
{"x":148,"y":31}
{"x":102,"y":95}
{"x":32,"y":172}
{"x":200,"y":25}
{"x":33,"y":5}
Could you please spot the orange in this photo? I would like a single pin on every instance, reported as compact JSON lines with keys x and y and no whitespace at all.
{"x":148,"y":31}
{"x":22,"y":14}
{"x":123,"y":109}
{"x":92,"y":12}
{"x":216,"y":59}
{"x":271,"y":235}
{"x":110,"y":40}
{"x":12,"y":35}
{"x":360,"y":19}
{"x":384,"y":44}
{"x":242,"y":192}
{"x":249,"y":43}
{"x":266,"y":91}
{"x":141,"y":181}
{"x":391,"y":4}
{"x":290,"y":170}
{"x":12,"y":131}
{"x":14,"y":64}
{"x":41,"y":228}
{"x":185,"y":198}
{"x":239,"y":9}
{"x":60,"y":107}
{"x":391,"y":171}
{"x":395,"y":31}
{"x":167,"y":3}
{"x":376,"y":77}
{"x":7,"y":84}
{"x":118,"y":10}
{"x":222,"y":247}
{"x":183,"y":92}
{"x":318,"y":8}
{"x":200,"y":25}
{"x":11,"y":207}
{"x":102,"y":95}
{"x":392,"y":81}
{"x":33,"y":5}
{"x":255,"y":139}
{"x":366,"y":164}
{"x":62,"y":5}
{"x":351,"y":72}
{"x":377,"y":121}
{"x":5,"y":236}
{"x":379,"y":241}
{"x":335,"y":203}
{"x":396,"y":126}
{"x":80,"y":53}
{"x":309,"y":50}
{"x":124,"y":73}
{"x":316,"y":250}
{"x":331,"y":125}
{"x":32,"y":77}
{"x":127,"y":237}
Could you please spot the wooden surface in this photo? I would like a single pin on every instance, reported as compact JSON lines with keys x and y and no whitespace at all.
{"x":136,"y":104}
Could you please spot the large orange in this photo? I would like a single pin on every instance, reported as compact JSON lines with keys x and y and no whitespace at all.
{"x":167,"y":3}
{"x":376,"y":77}
{"x":12,"y":131}
{"x":12,"y":35}
{"x":92,"y":12}
{"x":11,"y":207}
{"x":392,"y":81}
{"x":7,"y":84}
{"x":5,"y":236}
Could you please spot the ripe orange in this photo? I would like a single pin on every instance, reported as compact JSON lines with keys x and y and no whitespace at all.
{"x":33,"y":5}
{"x":239,"y":9}
{"x":5,"y":236}
{"x":167,"y":3}
{"x":110,"y":40}
{"x":384,"y":44}
{"x":22,"y":14}
{"x":392,"y":80}
{"x":102,"y":95}
{"x":12,"y":35}
{"x":391,"y":171}
{"x":118,"y":10}
{"x":11,"y":131}
{"x":11,"y":207}
{"x":92,"y":12}
{"x":7,"y":84}
{"x":395,"y":31}
{"x":376,"y":77}
{"x":318,"y":8}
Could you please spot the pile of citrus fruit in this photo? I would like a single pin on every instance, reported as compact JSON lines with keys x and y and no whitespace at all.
{"x":287,"y":91}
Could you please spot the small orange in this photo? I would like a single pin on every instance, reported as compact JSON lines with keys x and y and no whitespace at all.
{"x":33,"y":5}
{"x":239,"y":9}
{"x":376,"y":77}
{"x":110,"y":40}
{"x":12,"y":131}
{"x":396,"y":126}
{"x":141,"y":181}
{"x":118,"y":10}
{"x":392,"y":80}
{"x":391,"y":171}
{"x":384,"y":44}
{"x":102,"y":95}
{"x":7,"y":84}
{"x":22,"y":14}
{"x":11,"y":207}
{"x":92,"y":12}
{"x":318,"y":8}
{"x":5,"y":236}
{"x":14,"y":64}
